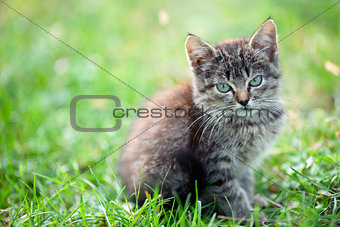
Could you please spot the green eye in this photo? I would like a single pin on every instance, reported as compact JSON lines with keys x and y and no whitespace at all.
{"x":223,"y":88}
{"x":256,"y":81}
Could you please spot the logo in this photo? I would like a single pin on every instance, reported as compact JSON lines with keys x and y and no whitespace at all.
{"x":73,"y":113}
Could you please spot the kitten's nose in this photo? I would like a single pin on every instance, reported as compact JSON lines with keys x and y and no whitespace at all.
{"x":242,"y":97}
{"x":244,"y":102}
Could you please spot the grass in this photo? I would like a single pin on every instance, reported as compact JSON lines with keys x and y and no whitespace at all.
{"x":141,"y":42}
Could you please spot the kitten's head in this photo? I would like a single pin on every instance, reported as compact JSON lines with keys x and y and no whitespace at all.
{"x":236,"y":74}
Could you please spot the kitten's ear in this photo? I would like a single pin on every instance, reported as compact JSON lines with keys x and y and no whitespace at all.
{"x":198,"y":51}
{"x":265,"y":40}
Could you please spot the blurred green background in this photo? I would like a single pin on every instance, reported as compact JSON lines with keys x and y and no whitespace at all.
{"x":142,"y":43}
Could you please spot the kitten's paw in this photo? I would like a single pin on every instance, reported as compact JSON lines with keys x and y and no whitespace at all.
{"x":261,"y":201}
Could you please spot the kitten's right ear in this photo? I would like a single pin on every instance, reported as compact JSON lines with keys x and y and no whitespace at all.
{"x":265,"y":40}
{"x":198,"y":51}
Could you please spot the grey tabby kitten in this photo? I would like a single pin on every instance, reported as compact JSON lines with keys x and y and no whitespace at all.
{"x":237,"y":84}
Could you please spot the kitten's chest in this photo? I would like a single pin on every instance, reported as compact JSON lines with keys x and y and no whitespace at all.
{"x":233,"y":146}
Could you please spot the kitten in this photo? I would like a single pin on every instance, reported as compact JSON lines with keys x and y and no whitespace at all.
{"x":236,"y":82}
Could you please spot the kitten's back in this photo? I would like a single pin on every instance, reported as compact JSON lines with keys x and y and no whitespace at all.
{"x":150,"y":139}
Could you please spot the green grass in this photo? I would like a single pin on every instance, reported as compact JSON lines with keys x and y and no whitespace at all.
{"x":39,"y":76}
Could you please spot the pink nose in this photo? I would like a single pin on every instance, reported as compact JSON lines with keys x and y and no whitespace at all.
{"x":242,"y":97}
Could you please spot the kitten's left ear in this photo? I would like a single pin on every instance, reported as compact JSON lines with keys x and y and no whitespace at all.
{"x":265,"y":40}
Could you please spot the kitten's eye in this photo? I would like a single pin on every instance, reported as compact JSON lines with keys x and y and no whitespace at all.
{"x":223,"y":88}
{"x":256,"y":81}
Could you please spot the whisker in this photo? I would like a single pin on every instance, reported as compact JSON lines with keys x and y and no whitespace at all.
{"x":205,"y":128}
{"x":206,"y":121}
{"x":212,"y":130}
{"x":209,"y":112}
{"x":201,"y":126}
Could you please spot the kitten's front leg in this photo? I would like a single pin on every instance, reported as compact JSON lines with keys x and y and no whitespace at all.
{"x":230,"y":198}
{"x":247,"y":183}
